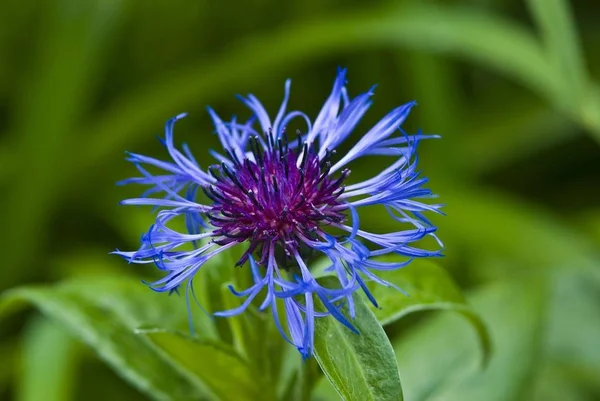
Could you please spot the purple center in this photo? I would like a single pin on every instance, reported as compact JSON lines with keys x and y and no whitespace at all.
{"x":282,"y":197}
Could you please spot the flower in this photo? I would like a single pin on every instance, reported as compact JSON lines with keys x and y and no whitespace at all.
{"x":285,"y":199}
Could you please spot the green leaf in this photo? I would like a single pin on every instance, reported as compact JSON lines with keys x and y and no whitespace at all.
{"x":577,"y":94}
{"x":437,"y":361}
{"x":572,"y":340}
{"x":224,"y":371}
{"x":103,"y":313}
{"x":550,"y":242}
{"x":477,"y":36}
{"x":359,"y":366}
{"x":47,"y":348}
{"x":250,"y":334}
{"x":554,"y":384}
{"x":238,"y":325}
{"x":289,"y":375}
{"x":73,"y":38}
{"x":589,"y":116}
{"x":214,"y":274}
{"x":429,"y":287}
{"x":555,"y":20}
{"x":10,"y":354}
{"x":533,"y":127}
{"x":588,"y":221}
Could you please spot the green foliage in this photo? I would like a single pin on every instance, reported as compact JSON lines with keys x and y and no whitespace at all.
{"x":133,"y":330}
{"x":359,"y":366}
{"x":73,"y":39}
{"x":213,"y":364}
{"x":554,"y":20}
{"x":104,"y":315}
{"x":428,"y":287}
{"x":447,"y":369}
{"x":48,"y":347}
{"x":514,"y":92}
{"x":573,"y":329}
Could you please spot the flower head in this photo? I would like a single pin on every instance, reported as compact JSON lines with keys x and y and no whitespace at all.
{"x":285,"y":198}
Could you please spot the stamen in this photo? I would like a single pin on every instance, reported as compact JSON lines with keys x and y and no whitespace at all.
{"x":234,"y":158}
{"x":250,"y":194}
{"x":345,"y":174}
{"x":327,"y":157}
{"x":300,"y":202}
{"x":229,"y":214}
{"x":286,"y":165}
{"x":270,"y":142}
{"x":208,"y":192}
{"x":213,"y":170}
{"x":256,"y":149}
{"x":250,"y":169}
{"x":304,"y":155}
{"x":299,"y":136}
{"x":284,"y":136}
{"x":232,"y":176}
{"x":263,"y":180}
{"x":233,"y":236}
{"x":301,"y":181}
{"x":214,"y":218}
{"x":275,"y":198}
{"x":325,"y":172}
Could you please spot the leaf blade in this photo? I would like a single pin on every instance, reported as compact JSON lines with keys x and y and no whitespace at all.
{"x":436,"y":371}
{"x":214,"y":364}
{"x":91,"y":315}
{"x":556,"y":23}
{"x":360,"y":367}
{"x":47,"y":347}
{"x":429,"y":287}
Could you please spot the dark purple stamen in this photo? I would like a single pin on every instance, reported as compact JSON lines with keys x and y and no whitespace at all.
{"x":278,"y":198}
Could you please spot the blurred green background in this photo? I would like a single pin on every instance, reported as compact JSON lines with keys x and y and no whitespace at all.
{"x":509,"y":84}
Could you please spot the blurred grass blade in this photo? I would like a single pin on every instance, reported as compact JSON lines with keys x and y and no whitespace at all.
{"x":482,"y":38}
{"x":488,"y":142}
{"x":103,"y":313}
{"x":429,"y":287}
{"x":7,"y":161}
{"x":225,"y":372}
{"x":590,"y":118}
{"x":437,"y":362}
{"x":238,"y":325}
{"x":50,"y":359}
{"x":211,"y":278}
{"x":512,"y":229}
{"x":572,"y":340}
{"x":289,"y":374}
{"x":255,"y":337}
{"x":9,"y":355}
{"x":552,"y":384}
{"x":73,"y":37}
{"x":556,"y":23}
{"x":434,"y":84}
{"x":359,"y":366}
{"x":589,"y":221}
